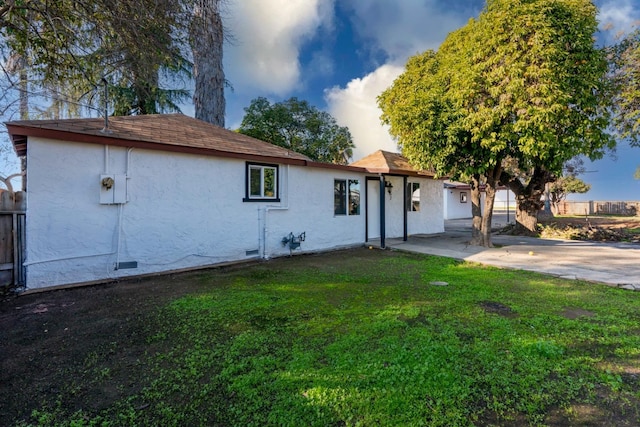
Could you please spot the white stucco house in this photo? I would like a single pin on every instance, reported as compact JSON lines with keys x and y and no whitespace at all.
{"x":158,"y":193}
{"x":457,"y":200}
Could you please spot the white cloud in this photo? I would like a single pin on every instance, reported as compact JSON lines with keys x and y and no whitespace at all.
{"x":621,"y":15}
{"x":403,"y":28}
{"x":399,"y":30}
{"x":616,"y":19}
{"x":267,"y":38}
{"x":356,"y":107}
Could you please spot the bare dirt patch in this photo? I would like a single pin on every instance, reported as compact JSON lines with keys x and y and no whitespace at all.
{"x":574,"y":313}
{"x":498,"y":308}
{"x":595,"y":228}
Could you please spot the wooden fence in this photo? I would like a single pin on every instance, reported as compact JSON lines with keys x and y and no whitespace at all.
{"x":598,"y":208}
{"x":12,"y":239}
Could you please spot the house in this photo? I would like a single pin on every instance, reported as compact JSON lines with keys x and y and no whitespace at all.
{"x":457,"y":200}
{"x":147,"y":194}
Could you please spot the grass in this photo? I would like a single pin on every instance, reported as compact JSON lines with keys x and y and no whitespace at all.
{"x":364,"y":339}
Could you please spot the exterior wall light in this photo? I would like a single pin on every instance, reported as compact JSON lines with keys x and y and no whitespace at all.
{"x":389,"y":186}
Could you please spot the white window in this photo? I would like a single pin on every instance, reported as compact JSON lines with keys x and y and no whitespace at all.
{"x":261,"y":182}
{"x":346,"y":197}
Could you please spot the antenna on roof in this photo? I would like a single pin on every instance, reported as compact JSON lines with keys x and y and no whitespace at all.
{"x":106,"y":105}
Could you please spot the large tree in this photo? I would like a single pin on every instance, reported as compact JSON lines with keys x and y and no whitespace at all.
{"x":508,"y":99}
{"x":550,"y":78}
{"x":300,"y":127}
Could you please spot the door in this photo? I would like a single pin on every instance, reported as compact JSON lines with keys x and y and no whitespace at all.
{"x":373,"y":208}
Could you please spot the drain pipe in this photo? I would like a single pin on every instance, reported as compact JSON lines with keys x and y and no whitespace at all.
{"x":267,"y":209}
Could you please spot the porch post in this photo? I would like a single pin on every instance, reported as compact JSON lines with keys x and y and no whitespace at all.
{"x":404,"y":207}
{"x":382,"y":218}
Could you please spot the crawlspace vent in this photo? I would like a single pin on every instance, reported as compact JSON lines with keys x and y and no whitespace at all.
{"x":127,"y":264}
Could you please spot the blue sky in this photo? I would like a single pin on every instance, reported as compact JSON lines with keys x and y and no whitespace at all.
{"x":340,"y":54}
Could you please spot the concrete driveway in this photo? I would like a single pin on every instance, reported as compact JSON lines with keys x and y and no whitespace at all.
{"x":615,"y":264}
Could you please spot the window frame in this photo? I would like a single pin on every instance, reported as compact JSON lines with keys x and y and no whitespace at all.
{"x":340,"y":195}
{"x":345,"y":197}
{"x":248,"y":197}
{"x":350,"y":196}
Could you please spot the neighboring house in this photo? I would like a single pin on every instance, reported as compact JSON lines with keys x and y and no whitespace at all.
{"x":157,"y":193}
{"x":457,"y":200}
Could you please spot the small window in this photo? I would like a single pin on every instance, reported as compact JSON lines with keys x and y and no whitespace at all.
{"x":262,"y":183}
{"x":346,"y":199}
{"x":413,"y":197}
{"x":463,"y":197}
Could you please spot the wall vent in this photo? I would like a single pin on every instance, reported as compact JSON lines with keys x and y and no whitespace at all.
{"x":127,"y":264}
{"x":252,"y":252}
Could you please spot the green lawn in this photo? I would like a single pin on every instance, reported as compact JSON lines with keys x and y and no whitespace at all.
{"x":362,"y":338}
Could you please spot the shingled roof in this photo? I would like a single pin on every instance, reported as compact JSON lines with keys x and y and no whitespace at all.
{"x":389,"y":163}
{"x":167,"y":132}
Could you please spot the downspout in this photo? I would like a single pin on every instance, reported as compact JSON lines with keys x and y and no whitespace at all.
{"x":281,"y":207}
{"x":382,"y":209}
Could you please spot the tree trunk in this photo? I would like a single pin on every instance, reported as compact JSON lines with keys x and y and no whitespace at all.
{"x":529,"y":200}
{"x":489,"y":201}
{"x":144,"y":87}
{"x":476,"y":212}
{"x":207,"y":37}
{"x":526,"y":215}
{"x":529,"y":204}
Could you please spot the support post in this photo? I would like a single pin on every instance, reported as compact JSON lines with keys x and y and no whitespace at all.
{"x":382,"y":209}
{"x":404,"y":207}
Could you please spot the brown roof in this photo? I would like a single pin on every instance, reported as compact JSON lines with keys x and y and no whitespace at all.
{"x":389,"y":163}
{"x":168,"y":132}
